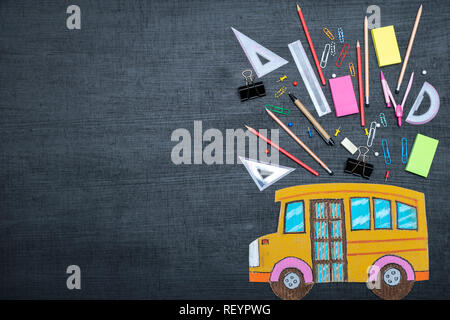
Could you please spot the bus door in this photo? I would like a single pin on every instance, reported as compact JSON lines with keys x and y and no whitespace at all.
{"x":328,"y":241}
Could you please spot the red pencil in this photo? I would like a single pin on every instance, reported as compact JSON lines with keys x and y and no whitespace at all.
{"x":360,"y":84}
{"x":311,"y":46}
{"x":287,"y":154}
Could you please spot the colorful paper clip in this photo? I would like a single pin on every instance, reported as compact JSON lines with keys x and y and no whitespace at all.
{"x":328,"y":33}
{"x":280,"y":92}
{"x":404,"y":150}
{"x":352,"y":69}
{"x":333,"y":48}
{"x":383,"y":120}
{"x":342,"y":55}
{"x":276,"y":109}
{"x":387,"y":156}
{"x":341,"y":34}
{"x":373,"y":130}
{"x":325,"y":53}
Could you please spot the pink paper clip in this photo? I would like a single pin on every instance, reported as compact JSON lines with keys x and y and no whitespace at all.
{"x":341,"y":57}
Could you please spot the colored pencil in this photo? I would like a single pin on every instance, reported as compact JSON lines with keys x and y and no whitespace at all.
{"x":325,"y":136}
{"x":366,"y":59}
{"x":287,"y":154}
{"x":360,"y":84}
{"x":408,"y":50}
{"x":311,"y":46}
{"x":399,"y":110}
{"x":300,"y":142}
{"x":385,"y":90}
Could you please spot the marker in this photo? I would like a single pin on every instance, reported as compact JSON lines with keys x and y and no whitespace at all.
{"x":325,"y":136}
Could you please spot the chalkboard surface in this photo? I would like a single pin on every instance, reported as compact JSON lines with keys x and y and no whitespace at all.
{"x":86,"y":119}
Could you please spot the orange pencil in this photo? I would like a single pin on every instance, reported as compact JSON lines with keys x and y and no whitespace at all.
{"x":360,"y":84}
{"x":287,"y":154}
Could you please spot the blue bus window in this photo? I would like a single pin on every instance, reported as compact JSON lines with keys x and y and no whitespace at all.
{"x":294,"y":221}
{"x":406,"y":217}
{"x":382,"y":210}
{"x":360,"y":211}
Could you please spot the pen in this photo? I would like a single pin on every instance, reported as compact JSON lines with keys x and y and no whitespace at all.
{"x":325,"y":136}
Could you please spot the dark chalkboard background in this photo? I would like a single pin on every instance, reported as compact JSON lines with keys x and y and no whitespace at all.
{"x":86,"y":118}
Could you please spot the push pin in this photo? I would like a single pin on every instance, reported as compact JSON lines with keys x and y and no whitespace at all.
{"x":295,"y":83}
{"x":290,"y":124}
{"x":337,"y":131}
{"x":267,"y":151}
{"x":366,"y":132}
{"x":282,"y":79}
{"x":386,"y":176}
{"x":309,"y":132}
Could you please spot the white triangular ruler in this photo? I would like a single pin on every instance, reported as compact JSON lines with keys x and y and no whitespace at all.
{"x":252,"y":49}
{"x":265,"y":174}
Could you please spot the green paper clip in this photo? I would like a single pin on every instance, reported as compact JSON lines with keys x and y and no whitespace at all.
{"x":277,"y":109}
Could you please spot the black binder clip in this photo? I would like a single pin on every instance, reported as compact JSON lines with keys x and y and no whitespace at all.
{"x":251,"y":90}
{"x":359,"y":167}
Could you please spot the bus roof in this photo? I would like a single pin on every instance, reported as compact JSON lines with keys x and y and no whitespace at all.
{"x":320,"y":190}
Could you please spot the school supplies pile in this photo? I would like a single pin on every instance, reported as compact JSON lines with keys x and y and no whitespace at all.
{"x":345,"y":102}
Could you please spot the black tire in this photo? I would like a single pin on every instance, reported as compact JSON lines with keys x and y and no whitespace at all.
{"x":291,"y":285}
{"x":393,"y":283}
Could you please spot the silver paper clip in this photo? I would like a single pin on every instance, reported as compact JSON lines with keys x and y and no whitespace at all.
{"x":325,"y":53}
{"x":373,"y":129}
{"x":387,"y":156}
{"x":333,"y":48}
{"x":404,"y":150}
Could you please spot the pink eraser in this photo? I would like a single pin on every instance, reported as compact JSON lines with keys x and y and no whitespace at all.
{"x":343,"y":94}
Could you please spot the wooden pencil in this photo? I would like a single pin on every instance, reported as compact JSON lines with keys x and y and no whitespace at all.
{"x":300,"y":142}
{"x":287,"y":154}
{"x":408,"y":50}
{"x":366,"y":59}
{"x":360,"y":84}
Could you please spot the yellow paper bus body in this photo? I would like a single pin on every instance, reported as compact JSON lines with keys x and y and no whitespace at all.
{"x":345,"y":232}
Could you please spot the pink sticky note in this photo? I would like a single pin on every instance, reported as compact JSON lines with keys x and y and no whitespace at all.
{"x":343,"y":96}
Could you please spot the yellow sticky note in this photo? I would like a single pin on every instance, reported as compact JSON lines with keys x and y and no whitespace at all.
{"x":386,"y":46}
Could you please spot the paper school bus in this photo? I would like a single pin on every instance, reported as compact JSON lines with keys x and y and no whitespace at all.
{"x":344,"y":232}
